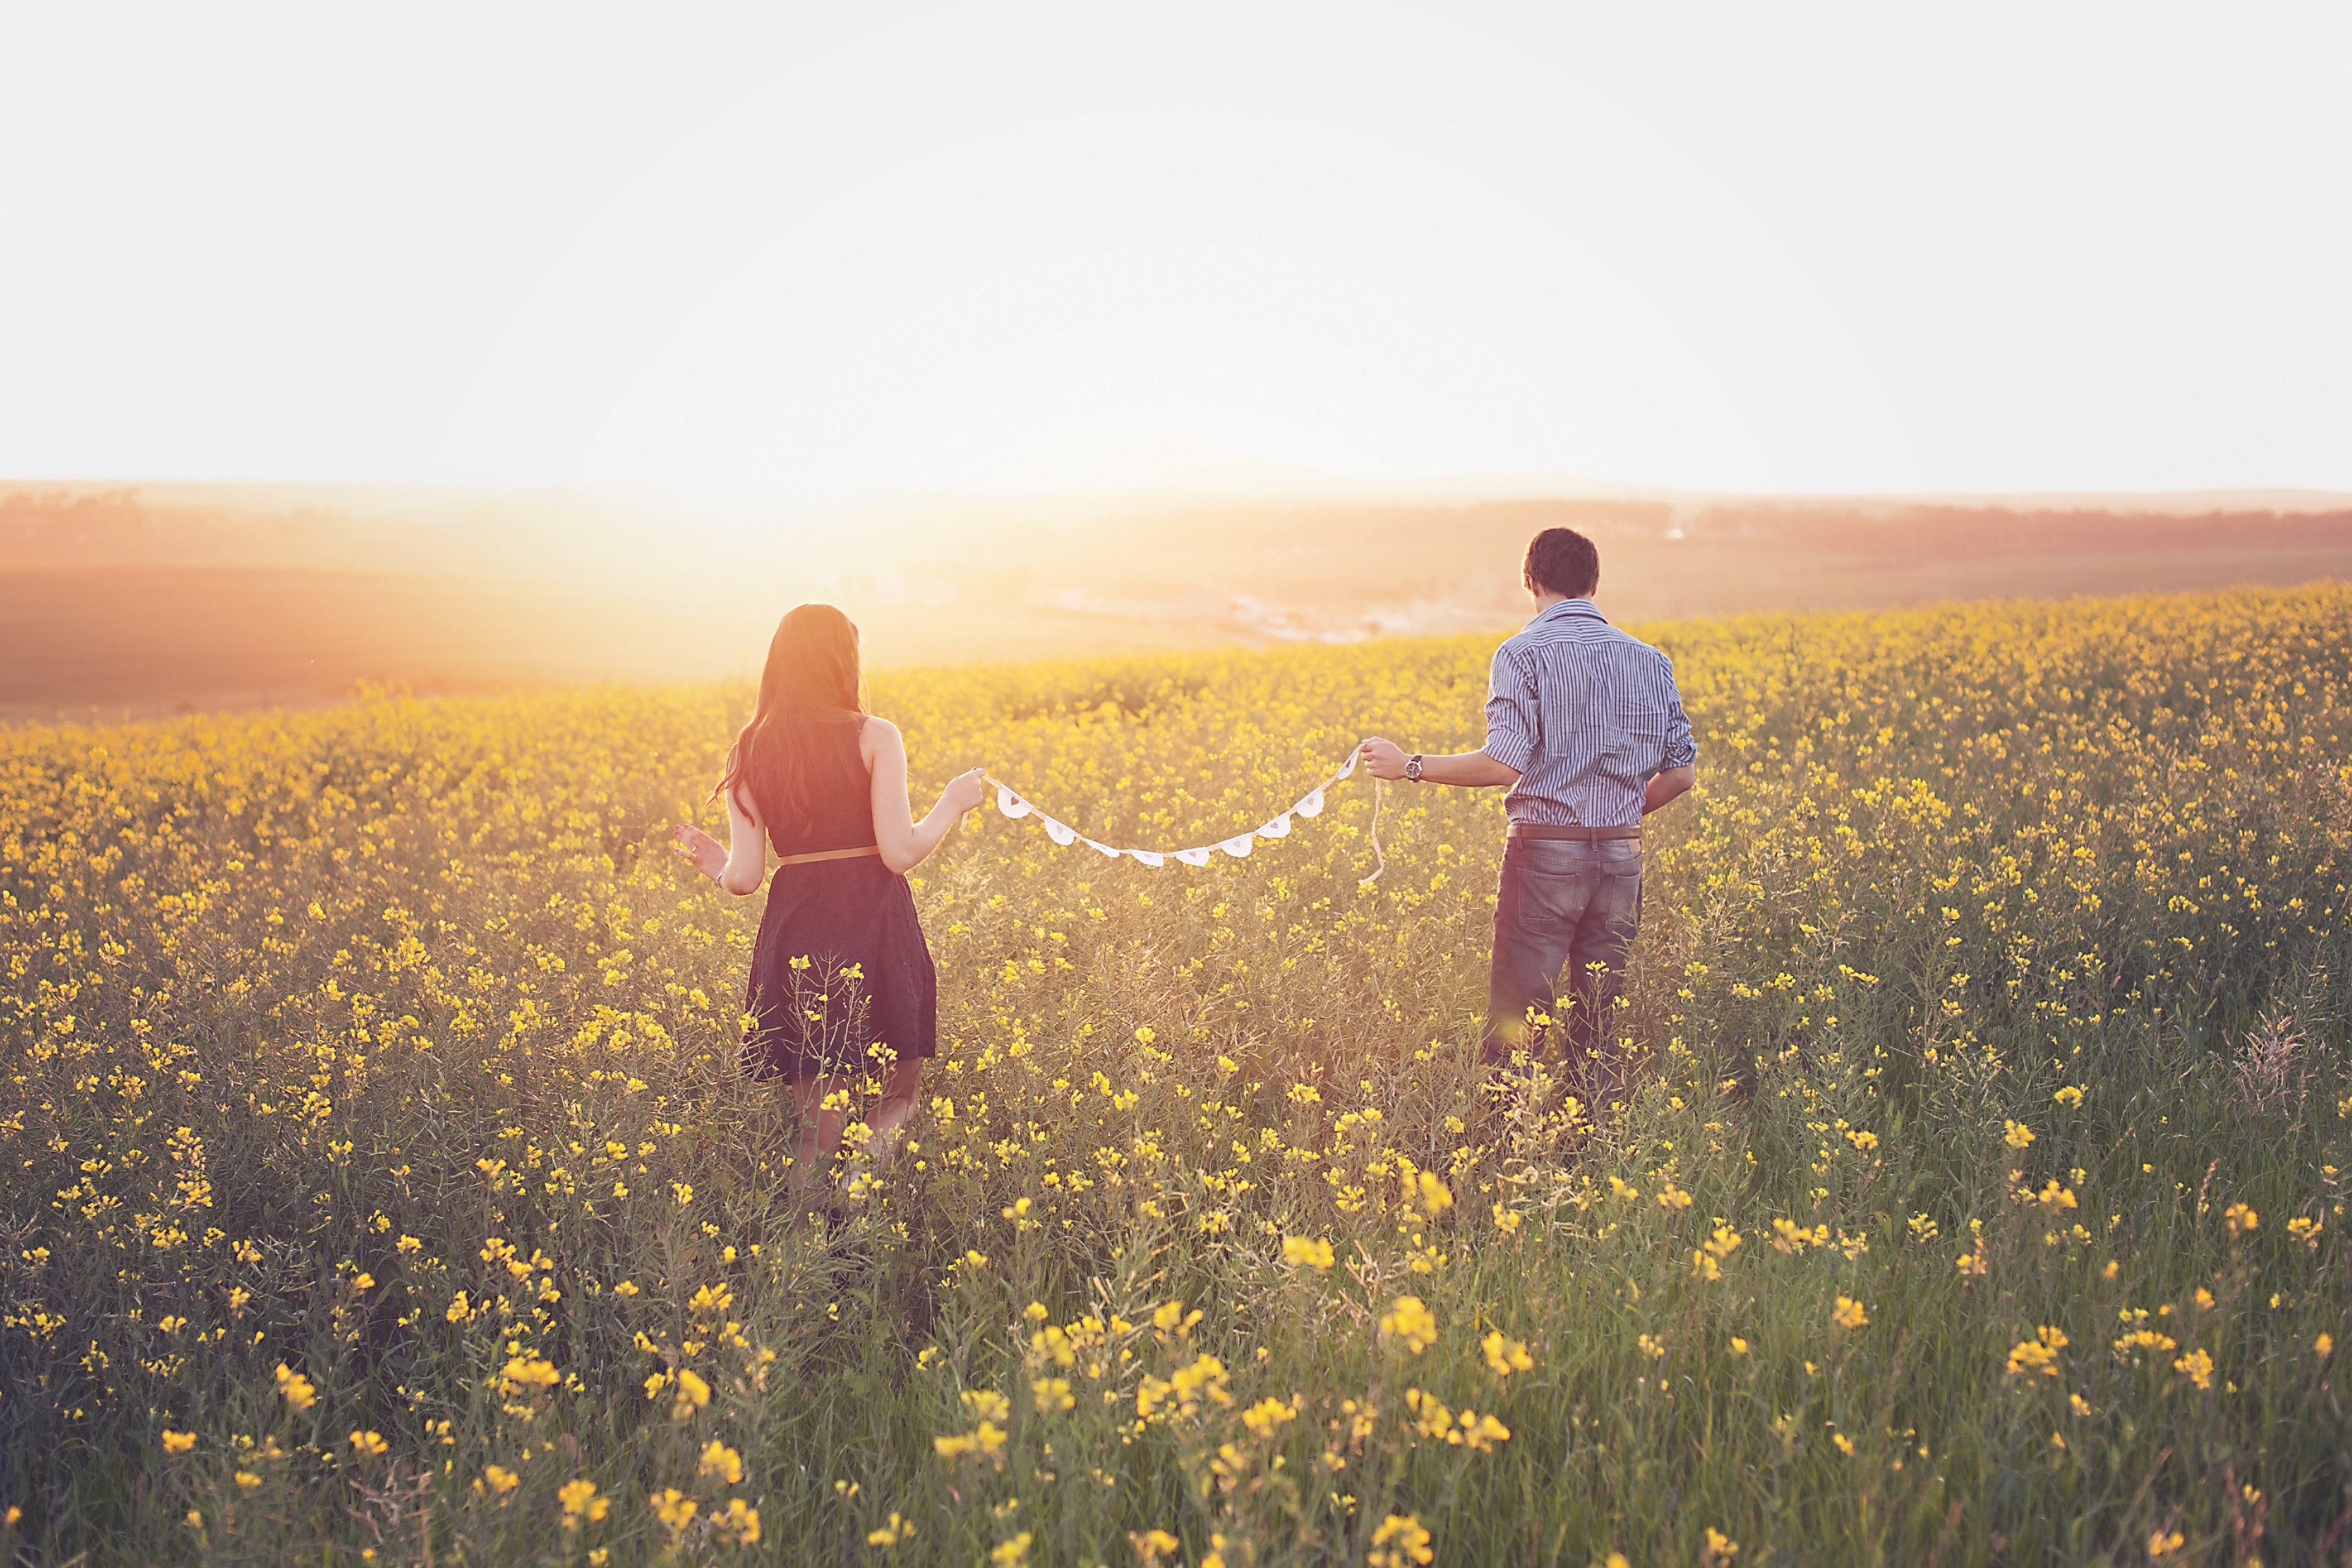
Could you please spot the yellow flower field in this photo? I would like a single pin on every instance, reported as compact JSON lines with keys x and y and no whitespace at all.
{"x":383,"y":1186}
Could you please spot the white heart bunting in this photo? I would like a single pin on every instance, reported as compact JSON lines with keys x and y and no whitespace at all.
{"x":1308,"y":805}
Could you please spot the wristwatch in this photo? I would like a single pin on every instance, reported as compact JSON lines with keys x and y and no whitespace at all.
{"x":1412,"y":768}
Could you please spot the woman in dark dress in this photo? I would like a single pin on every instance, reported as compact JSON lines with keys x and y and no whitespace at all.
{"x":842,"y":983}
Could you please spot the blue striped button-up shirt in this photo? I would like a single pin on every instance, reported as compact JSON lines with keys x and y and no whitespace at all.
{"x":1587,"y":715}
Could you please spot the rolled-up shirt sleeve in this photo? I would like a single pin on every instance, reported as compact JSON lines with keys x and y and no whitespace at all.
{"x":1681,"y":750}
{"x":1514,"y":720}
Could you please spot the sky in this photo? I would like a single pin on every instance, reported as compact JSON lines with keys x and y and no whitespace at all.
{"x":803,"y":253}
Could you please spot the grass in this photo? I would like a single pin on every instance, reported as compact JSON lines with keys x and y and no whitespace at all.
{"x":1981,"y":1202}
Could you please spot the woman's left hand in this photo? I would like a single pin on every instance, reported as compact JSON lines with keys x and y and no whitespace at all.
{"x":700,"y":850}
{"x":965,"y":792}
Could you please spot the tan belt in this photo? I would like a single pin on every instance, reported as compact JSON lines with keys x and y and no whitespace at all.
{"x":1576,"y":834}
{"x":829,"y":854}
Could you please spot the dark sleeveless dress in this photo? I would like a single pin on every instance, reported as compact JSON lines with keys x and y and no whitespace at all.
{"x":815,"y":1015}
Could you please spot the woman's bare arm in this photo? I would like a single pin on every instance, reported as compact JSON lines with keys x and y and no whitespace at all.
{"x":742,"y":864}
{"x":906,"y":842}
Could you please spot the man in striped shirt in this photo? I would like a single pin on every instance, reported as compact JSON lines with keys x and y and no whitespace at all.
{"x":1586,"y":730}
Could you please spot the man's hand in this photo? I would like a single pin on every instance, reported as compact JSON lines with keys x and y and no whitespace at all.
{"x":1664,"y":786}
{"x":1383,"y":759}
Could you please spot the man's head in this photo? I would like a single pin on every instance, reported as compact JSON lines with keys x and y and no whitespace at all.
{"x":1562,"y":561}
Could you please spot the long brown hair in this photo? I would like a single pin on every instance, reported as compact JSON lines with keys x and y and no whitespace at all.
{"x":811,"y":684}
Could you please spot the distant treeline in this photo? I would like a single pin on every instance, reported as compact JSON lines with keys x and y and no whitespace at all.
{"x":88,"y":528}
{"x":1908,"y":532}
{"x":120,"y":526}
{"x":1954,"y":532}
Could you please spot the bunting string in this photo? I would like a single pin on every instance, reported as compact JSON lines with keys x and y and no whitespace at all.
{"x":1015,"y":806}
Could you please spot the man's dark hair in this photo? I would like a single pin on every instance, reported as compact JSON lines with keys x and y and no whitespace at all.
{"x":1562,"y":561}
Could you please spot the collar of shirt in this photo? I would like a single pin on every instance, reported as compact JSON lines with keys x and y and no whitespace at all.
{"x":1569,"y":608}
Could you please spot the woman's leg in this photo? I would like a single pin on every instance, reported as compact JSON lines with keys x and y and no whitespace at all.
{"x":822,"y":1102}
{"x":896,"y":1109}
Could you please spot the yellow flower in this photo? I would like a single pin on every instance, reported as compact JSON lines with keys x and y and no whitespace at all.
{"x":524,"y":1374}
{"x":178,"y":1442}
{"x":739,"y":1526}
{"x":2239,"y":1217}
{"x":1481,"y":1433}
{"x":370,"y":1444}
{"x":1707,"y":1261}
{"x":1152,"y":1546}
{"x":1011,"y":1553}
{"x":676,"y":1510}
{"x":1410,"y":1323}
{"x":1506,"y":1356}
{"x":1849,"y":1313}
{"x":2039,"y":1353}
{"x":1400,"y":1541}
{"x":2199,"y":1366}
{"x":693,"y":1396}
{"x":986,"y":1409}
{"x":1267,"y":1415}
{"x":1436,"y":1197}
{"x":297,"y":1389}
{"x":580,"y":1503}
{"x":1300,"y":1252}
{"x":899,"y":1528}
{"x":722,"y":1463}
{"x":2324,"y":1346}
{"x":2016,"y":1134}
{"x":498,"y":1480}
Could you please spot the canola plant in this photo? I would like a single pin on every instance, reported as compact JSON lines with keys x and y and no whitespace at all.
{"x":382,"y":1185}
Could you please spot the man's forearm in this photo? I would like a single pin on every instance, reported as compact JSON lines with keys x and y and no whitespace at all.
{"x":1468,"y":770}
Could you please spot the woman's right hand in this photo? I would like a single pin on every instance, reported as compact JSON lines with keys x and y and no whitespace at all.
{"x":965,"y":792}
{"x":700,"y":850}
